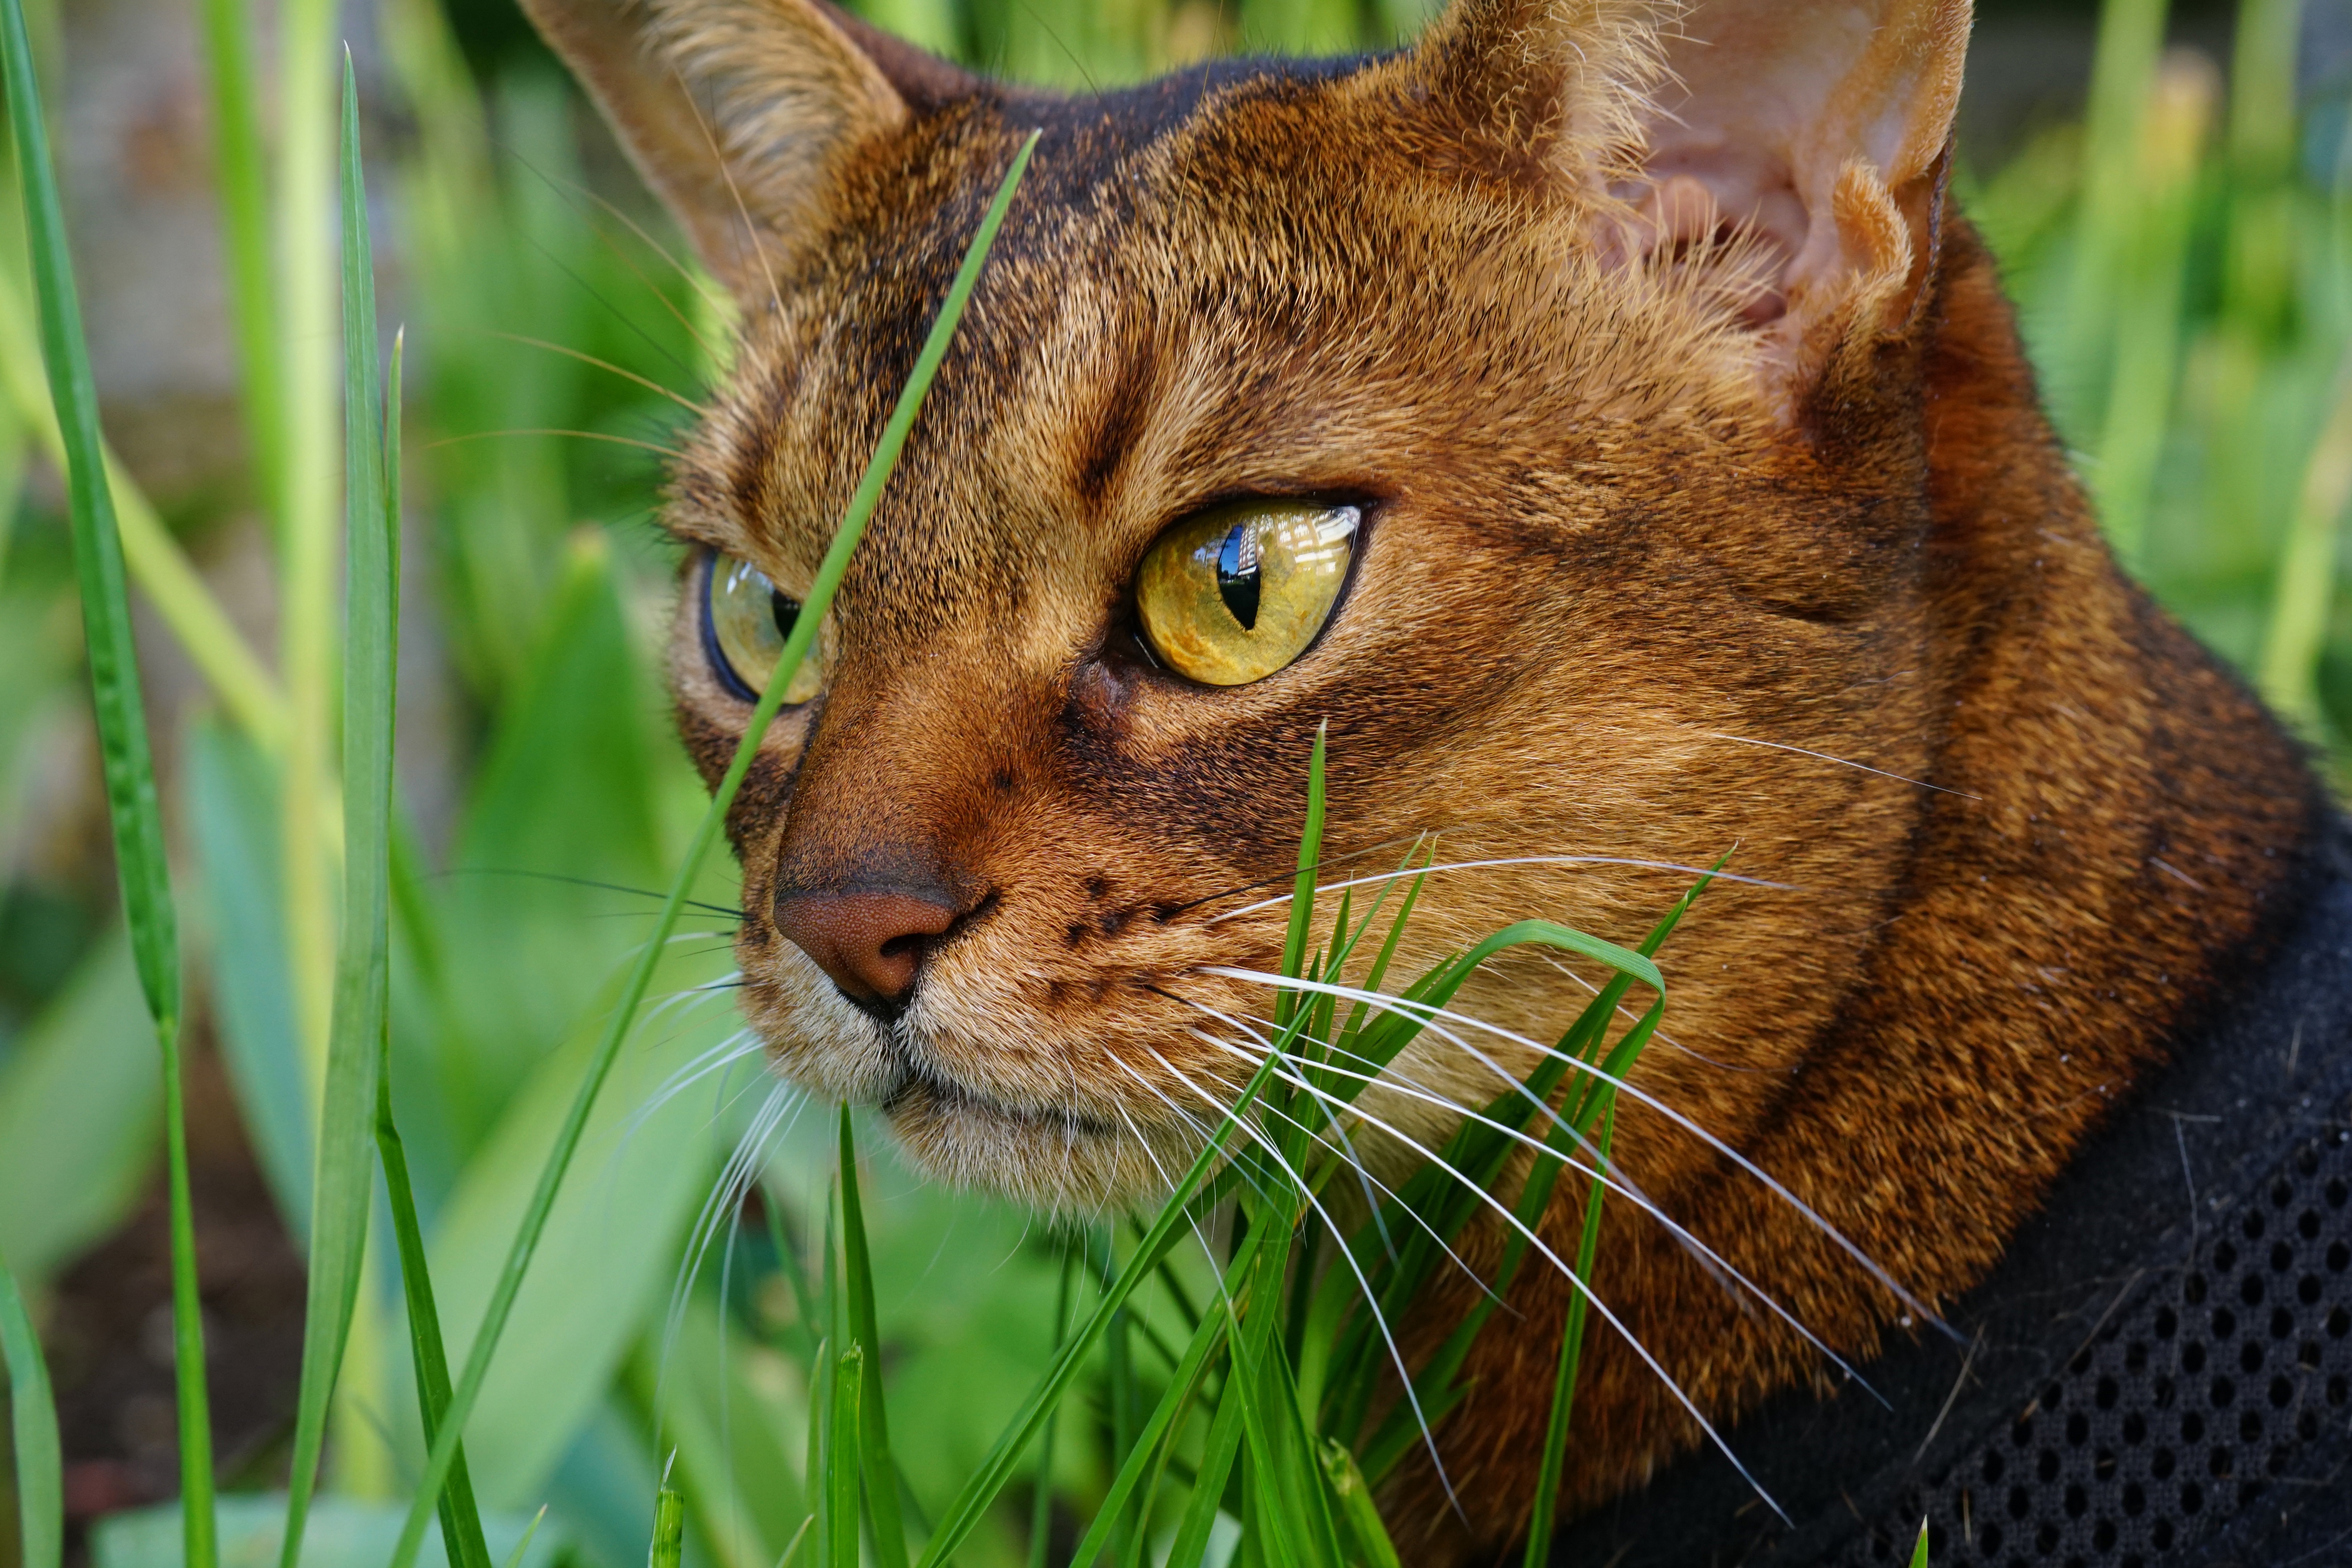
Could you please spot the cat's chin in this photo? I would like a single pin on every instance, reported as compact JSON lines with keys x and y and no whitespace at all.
{"x":1058,"y":1162}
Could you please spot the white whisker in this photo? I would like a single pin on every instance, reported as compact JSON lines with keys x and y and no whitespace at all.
{"x":1346,"y":1156}
{"x":1372,"y":1303}
{"x":742,"y":1043}
{"x":1362,"y":1174}
{"x":1597,"y":1171}
{"x":1512,"y":861}
{"x":1591,"y":1299}
{"x":735,"y":1178}
{"x":1429,"y":1013}
{"x":1842,"y":762}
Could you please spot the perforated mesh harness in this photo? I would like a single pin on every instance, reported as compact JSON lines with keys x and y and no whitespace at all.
{"x":2136,"y":1387}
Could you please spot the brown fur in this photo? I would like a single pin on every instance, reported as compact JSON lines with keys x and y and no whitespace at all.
{"x":1649,"y":504}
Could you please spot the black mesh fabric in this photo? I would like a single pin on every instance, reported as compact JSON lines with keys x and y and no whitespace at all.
{"x":2203,"y":1392}
{"x":2160,"y":1372}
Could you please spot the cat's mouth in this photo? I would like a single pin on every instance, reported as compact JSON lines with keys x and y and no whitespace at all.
{"x":924,"y":1094}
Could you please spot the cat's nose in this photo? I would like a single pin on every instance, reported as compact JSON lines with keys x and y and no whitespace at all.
{"x":871,"y":944}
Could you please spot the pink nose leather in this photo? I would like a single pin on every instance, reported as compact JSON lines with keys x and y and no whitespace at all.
{"x":872,"y":944}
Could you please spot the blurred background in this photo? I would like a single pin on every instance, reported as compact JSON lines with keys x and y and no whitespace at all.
{"x":2168,"y":192}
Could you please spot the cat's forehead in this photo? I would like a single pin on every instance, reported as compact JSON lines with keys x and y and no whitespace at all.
{"x":1223,"y":282}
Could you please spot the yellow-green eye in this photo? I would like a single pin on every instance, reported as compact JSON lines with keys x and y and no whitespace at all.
{"x":1235,"y":593}
{"x":745,"y":620}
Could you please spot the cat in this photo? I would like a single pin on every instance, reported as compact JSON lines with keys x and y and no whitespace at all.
{"x":1602,"y":418}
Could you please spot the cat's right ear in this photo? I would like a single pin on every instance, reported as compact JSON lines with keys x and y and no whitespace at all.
{"x":740,"y":112}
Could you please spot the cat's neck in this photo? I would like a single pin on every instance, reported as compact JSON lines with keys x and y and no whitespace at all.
{"x":2117,"y":828}
{"x":2148,"y":1365}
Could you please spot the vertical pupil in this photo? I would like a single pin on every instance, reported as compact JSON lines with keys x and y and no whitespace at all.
{"x":785,"y":611}
{"x":1238,"y":575}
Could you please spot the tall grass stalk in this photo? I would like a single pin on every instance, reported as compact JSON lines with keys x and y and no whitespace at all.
{"x":2305,"y":584}
{"x":837,"y":1499}
{"x":1545,"y":1509}
{"x":827,"y":580}
{"x":303,"y":502}
{"x":343,"y":1183}
{"x":874,"y":1428}
{"x":33,"y":1430}
{"x":240,"y":176}
{"x":668,"y":1548}
{"x":461,"y":1520}
{"x":128,"y":764}
{"x":2148,"y":328}
{"x":1041,"y":1504}
{"x":2131,"y":38}
{"x":155,"y":562}
{"x":371,"y":663}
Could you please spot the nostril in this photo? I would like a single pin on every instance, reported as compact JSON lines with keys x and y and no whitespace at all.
{"x":870,"y":941}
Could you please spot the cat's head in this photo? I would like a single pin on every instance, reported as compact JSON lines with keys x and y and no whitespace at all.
{"x":1537,"y":407}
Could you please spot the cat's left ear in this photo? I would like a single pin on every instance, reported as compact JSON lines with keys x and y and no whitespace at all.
{"x":1821,"y":132}
{"x":742,"y":113}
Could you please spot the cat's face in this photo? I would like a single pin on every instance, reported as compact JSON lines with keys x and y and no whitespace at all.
{"x":1591,"y":540}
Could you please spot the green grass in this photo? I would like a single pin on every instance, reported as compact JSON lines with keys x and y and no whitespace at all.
{"x":128,"y":764}
{"x":33,"y":1430}
{"x":486,"y":1040}
{"x":827,"y":580}
{"x":344,"y":1181}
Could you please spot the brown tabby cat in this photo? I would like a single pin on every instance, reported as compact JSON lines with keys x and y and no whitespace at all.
{"x":1600,"y":416}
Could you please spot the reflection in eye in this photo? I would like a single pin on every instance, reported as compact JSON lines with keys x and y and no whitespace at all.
{"x":1238,"y":578}
{"x":745,"y":620}
{"x":1237,"y":593}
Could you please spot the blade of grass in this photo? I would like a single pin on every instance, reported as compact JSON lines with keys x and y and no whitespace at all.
{"x":97,"y":550}
{"x":153,"y":558}
{"x":2304,"y":588}
{"x":238,"y":177}
{"x":1223,"y":1447}
{"x":1302,"y":890}
{"x":1480,"y":1152}
{"x":807,"y":1328}
{"x":1543,"y":1513}
{"x":33,"y":1427}
{"x":461,"y":1520}
{"x":843,"y":1446}
{"x":1364,"y":1526}
{"x":1119,"y":1378}
{"x":2131,"y":37}
{"x":668,"y":1546}
{"x":514,"y":1558}
{"x":340,"y":1186}
{"x":821,"y":591}
{"x":303,"y":494}
{"x":1919,"y":1553}
{"x":874,"y":1431}
{"x":1296,"y":1512}
{"x":2147,"y":325}
{"x":1041,"y":1510}
{"x":1205,"y":1343}
{"x":128,"y":764}
{"x":965,"y":1512}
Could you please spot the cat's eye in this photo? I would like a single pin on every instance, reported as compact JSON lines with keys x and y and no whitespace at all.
{"x":1238,"y":592}
{"x":745,"y":620}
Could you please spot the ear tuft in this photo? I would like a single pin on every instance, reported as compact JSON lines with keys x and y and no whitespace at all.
{"x":1550,"y":89}
{"x":1816,"y":132}
{"x":740,"y":112}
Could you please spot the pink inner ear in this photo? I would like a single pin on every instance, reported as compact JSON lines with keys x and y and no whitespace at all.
{"x":1769,"y":99}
